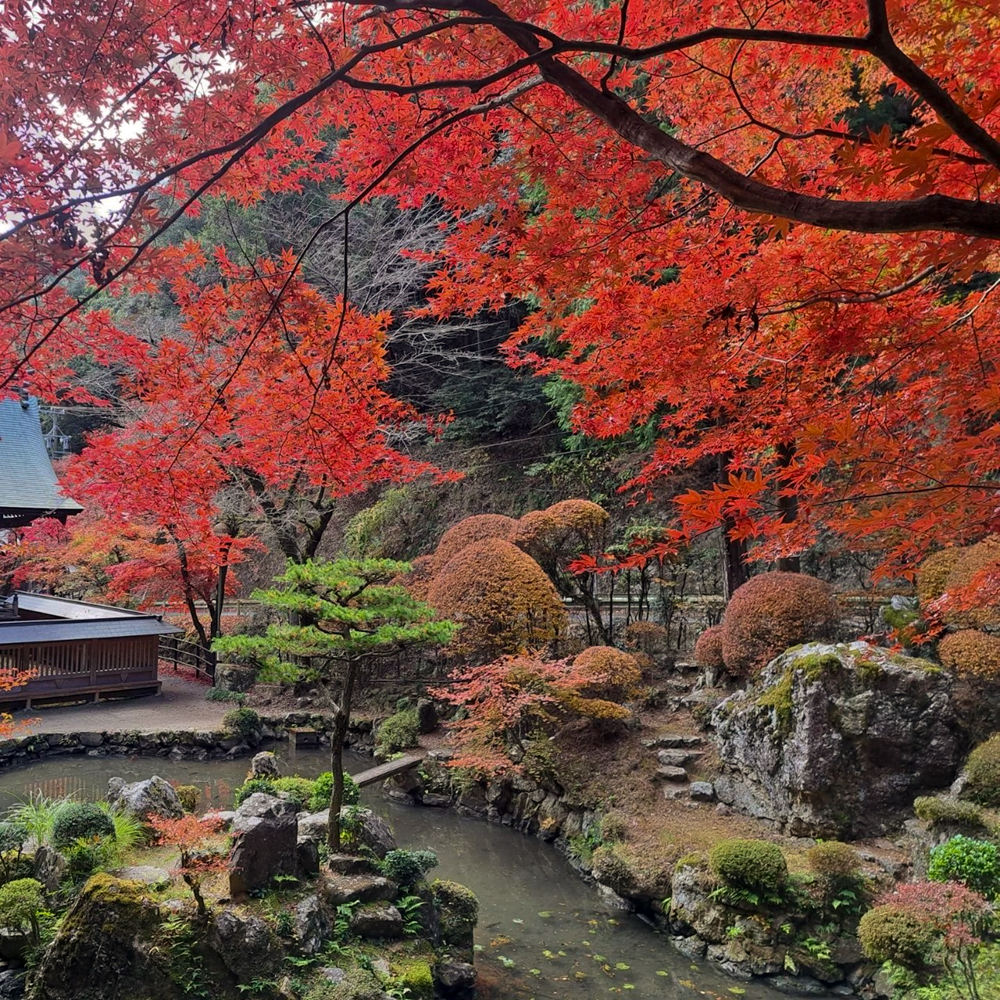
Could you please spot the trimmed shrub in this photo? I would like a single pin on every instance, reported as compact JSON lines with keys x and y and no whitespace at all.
{"x":971,"y":654}
{"x":189,"y":795}
{"x":12,"y":836}
{"x":500,"y":596}
{"x":941,"y":810}
{"x":755,"y":865}
{"x":607,"y":673}
{"x":983,"y":772}
{"x":77,"y":820}
{"x":405,"y":867}
{"x":974,"y":863}
{"x":646,"y":637}
{"x":708,"y":649}
{"x":771,"y":612}
{"x":478,"y":528}
{"x":20,"y":902}
{"x":891,"y":933}
{"x":834,"y":862}
{"x":323,"y":789}
{"x":970,"y":586}
{"x":398,"y":732}
{"x":932,"y":576}
{"x":299,"y":790}
{"x":252,"y":785}
{"x":242,"y":722}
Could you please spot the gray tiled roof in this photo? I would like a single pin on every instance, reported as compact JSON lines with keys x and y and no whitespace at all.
{"x":27,"y":481}
{"x":16,"y":633}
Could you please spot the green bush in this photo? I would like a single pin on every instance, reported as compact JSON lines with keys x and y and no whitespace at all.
{"x":217,"y":694}
{"x":940,"y":810}
{"x":323,"y":789}
{"x":299,"y":790}
{"x":77,"y":820}
{"x":252,"y":785}
{"x":891,"y":933}
{"x":405,"y":867}
{"x":242,"y":722}
{"x":12,"y":836}
{"x":189,"y":795}
{"x":983,"y":772}
{"x":20,"y":902}
{"x":834,"y":862}
{"x":83,"y":858}
{"x":397,"y":733}
{"x":754,"y":865}
{"x":974,"y":863}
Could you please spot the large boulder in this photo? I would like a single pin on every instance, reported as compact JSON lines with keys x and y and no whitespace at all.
{"x":264,"y":833}
{"x":105,"y":940}
{"x":152,"y":797}
{"x":360,"y":829}
{"x":248,"y":947}
{"x":835,"y":740}
{"x":264,"y":765}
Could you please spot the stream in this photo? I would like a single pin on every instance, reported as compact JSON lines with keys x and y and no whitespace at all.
{"x":543,"y":932}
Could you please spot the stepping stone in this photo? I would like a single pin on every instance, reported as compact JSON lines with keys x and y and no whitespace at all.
{"x":672,"y":773}
{"x":678,"y":758}
{"x":673,"y":741}
{"x":702,"y":791}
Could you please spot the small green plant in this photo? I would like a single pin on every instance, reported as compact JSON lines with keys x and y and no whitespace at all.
{"x":398,"y":732}
{"x":735,"y":931}
{"x":12,"y":839}
{"x":974,"y":863}
{"x":251,"y":786}
{"x":129,"y":833}
{"x":80,"y":820}
{"x":258,"y":986}
{"x":406,"y":867}
{"x":37,"y":814}
{"x":186,"y":967}
{"x":21,"y":901}
{"x":86,"y":856}
{"x":242,"y":722}
{"x":323,"y":790}
{"x":409,"y":907}
{"x":217,"y":694}
{"x":817,"y":949}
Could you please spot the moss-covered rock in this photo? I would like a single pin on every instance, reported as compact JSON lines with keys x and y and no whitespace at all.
{"x":104,"y":948}
{"x":458,"y":911}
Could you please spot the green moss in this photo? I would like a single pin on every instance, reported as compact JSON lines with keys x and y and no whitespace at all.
{"x":779,"y":698}
{"x":816,"y":665}
{"x":696,"y":859}
{"x":869,"y":671}
{"x":417,"y":978}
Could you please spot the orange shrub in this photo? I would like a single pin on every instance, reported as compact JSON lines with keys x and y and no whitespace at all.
{"x":562,"y":530}
{"x":478,"y":528}
{"x":932,"y":576}
{"x":972,"y":586}
{"x":501,"y":597}
{"x":971,"y":654}
{"x":606,"y":672}
{"x":418,"y":580}
{"x":708,"y":648}
{"x":771,"y":612}
{"x":648,"y":637}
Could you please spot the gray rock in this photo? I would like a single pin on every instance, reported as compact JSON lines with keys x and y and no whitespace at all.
{"x":50,"y":866}
{"x":673,"y":741}
{"x":224,"y":818}
{"x":803,"y":986}
{"x":702,"y":791}
{"x":311,"y":925}
{"x":427,"y":717}
{"x":348,"y":864}
{"x":313,"y":826}
{"x":152,"y":797}
{"x":155,"y":878}
{"x":690,"y":947}
{"x":307,"y":857}
{"x":264,"y":765}
{"x":332,"y":974}
{"x":454,"y":979}
{"x":12,"y":984}
{"x":377,"y":921}
{"x":672,"y":773}
{"x":91,"y":739}
{"x":230,"y":677}
{"x":372,"y":832}
{"x":265,"y":843}
{"x":247,"y":946}
{"x":339,"y":889}
{"x":436,"y":801}
{"x":863,"y":732}
{"x":677,"y":758}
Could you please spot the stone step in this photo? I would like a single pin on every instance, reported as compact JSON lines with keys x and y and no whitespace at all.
{"x":678,"y":758}
{"x":673,"y":741}
{"x":672,"y":774}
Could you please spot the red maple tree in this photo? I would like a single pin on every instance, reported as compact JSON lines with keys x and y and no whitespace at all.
{"x":769,"y":230}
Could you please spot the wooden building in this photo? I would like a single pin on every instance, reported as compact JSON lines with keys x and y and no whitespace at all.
{"x":76,"y":651}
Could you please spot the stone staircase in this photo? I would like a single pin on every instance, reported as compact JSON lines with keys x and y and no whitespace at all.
{"x":675,"y":753}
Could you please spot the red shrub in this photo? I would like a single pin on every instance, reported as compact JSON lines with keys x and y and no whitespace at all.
{"x":478,"y":528}
{"x":708,"y":648}
{"x":771,"y":612}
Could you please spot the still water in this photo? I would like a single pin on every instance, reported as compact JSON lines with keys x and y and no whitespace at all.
{"x":543,"y":932}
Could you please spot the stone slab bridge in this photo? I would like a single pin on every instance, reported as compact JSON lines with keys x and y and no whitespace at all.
{"x":383,"y":771}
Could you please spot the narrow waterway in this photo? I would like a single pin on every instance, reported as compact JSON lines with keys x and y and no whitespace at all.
{"x":543,"y":932}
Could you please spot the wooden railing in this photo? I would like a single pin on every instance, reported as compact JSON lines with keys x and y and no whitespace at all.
{"x":185,"y":653}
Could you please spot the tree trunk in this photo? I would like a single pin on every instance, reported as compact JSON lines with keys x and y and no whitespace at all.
{"x":734,"y":552}
{"x":341,"y":718}
{"x":789,"y":507}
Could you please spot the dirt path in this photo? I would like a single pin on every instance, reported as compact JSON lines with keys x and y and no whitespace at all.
{"x":182,"y":705}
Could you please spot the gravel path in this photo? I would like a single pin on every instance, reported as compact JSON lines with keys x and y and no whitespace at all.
{"x":181,"y":705}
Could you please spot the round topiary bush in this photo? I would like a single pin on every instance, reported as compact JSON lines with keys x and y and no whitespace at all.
{"x":252,"y":785}
{"x":20,"y":902}
{"x":80,"y":819}
{"x":971,"y":653}
{"x":398,"y":732}
{"x":299,"y":790}
{"x":607,"y":673}
{"x":897,"y":934}
{"x":242,"y":722}
{"x":478,"y":528}
{"x":974,"y":863}
{"x":834,"y":862}
{"x":932,"y":576}
{"x":771,"y":612}
{"x":755,"y":865}
{"x":405,"y":867}
{"x":971,"y":591}
{"x":982,"y":770}
{"x":708,"y":649}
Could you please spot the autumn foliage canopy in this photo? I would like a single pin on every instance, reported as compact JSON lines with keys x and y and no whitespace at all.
{"x":765,"y":231}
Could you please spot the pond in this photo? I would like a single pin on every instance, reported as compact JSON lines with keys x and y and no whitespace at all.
{"x":543,"y":932}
